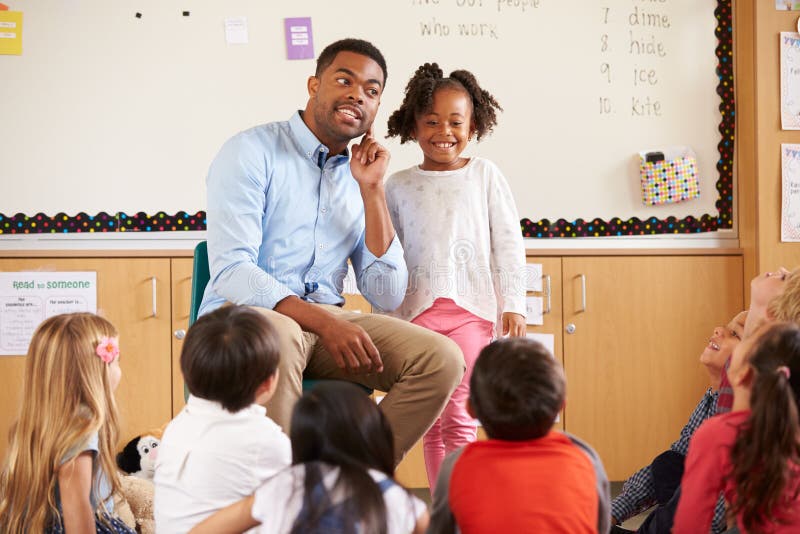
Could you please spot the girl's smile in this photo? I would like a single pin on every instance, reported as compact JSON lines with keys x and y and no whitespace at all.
{"x":443,"y":132}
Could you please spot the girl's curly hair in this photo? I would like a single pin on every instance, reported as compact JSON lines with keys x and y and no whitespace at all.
{"x":419,"y":98}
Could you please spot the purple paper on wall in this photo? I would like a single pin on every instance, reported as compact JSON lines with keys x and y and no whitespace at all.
{"x":299,"y":41}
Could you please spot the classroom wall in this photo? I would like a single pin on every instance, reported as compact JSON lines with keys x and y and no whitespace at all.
{"x":116,"y":113}
{"x":759,"y":135}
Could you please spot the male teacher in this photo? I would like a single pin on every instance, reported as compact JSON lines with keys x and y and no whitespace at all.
{"x":288,"y":205}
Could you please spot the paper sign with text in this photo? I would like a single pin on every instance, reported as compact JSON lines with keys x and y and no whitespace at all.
{"x":27,"y":298}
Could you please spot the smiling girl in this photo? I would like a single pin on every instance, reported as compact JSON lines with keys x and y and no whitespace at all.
{"x":458,"y":224}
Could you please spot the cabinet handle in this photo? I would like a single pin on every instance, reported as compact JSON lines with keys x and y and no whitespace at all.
{"x":155,"y":295}
{"x":179,"y":334}
{"x":547,"y":293}
{"x":583,"y":293}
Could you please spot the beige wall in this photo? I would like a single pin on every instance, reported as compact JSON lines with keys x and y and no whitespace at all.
{"x":759,"y":135}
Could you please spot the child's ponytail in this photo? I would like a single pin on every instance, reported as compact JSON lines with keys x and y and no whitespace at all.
{"x":418,"y":97}
{"x":769,"y":442}
{"x":485,"y":106}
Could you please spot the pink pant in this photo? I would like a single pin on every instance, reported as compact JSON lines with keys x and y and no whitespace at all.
{"x":454,"y":428}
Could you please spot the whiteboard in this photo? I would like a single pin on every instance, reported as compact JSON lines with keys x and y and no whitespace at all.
{"x":108,"y":112}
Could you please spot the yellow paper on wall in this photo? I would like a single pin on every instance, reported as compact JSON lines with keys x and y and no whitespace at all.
{"x":11,"y":33}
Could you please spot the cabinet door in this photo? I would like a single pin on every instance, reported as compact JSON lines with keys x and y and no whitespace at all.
{"x":181,"y":306}
{"x":632,"y":359}
{"x":133,"y":293}
{"x":551,"y":310}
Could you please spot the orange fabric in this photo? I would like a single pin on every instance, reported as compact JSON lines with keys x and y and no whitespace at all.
{"x":542,"y":485}
{"x":3,"y":7}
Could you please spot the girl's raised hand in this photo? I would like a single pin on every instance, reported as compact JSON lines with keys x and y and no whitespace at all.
{"x":369,"y":161}
{"x":513,"y":324}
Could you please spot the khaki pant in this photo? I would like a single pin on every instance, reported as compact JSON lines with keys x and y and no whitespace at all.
{"x":421,"y":369}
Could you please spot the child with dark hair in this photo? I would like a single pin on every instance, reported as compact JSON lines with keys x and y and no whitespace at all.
{"x":456,"y":219}
{"x":341,"y":479}
{"x":753,"y":452}
{"x":221,"y":446}
{"x":526,"y":477}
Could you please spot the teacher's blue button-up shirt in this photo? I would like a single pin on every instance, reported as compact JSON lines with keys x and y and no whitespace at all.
{"x":283,"y":219}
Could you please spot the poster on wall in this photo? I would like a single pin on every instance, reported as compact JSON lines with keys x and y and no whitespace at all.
{"x":790,"y":80}
{"x":27,"y":298}
{"x":790,"y":193}
{"x":787,"y":5}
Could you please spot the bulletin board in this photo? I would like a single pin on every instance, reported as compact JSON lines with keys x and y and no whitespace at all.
{"x":114,"y":110}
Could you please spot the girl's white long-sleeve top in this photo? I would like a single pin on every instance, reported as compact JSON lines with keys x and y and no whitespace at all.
{"x":462,"y":239}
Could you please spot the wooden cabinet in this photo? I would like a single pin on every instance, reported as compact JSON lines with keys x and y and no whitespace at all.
{"x":181,"y":306}
{"x":134,"y":294}
{"x":630,"y":331}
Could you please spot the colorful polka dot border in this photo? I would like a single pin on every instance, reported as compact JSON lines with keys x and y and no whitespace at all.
{"x":618,"y":227}
{"x":62,"y":223}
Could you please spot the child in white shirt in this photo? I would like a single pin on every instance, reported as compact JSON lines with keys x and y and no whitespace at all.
{"x":221,"y":446}
{"x":458,"y":224}
{"x":342,"y":477}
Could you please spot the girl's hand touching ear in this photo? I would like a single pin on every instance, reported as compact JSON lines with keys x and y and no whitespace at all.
{"x":513,"y":324}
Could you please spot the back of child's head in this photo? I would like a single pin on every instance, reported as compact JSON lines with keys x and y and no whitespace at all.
{"x":770,"y":439}
{"x":338,"y":424}
{"x":786,"y":306}
{"x":67,"y":396}
{"x":419,"y":94}
{"x":516,"y":389}
{"x":227,"y":354}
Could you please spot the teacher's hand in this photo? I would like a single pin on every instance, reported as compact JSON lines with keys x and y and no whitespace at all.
{"x":350,"y":347}
{"x":369,"y":161}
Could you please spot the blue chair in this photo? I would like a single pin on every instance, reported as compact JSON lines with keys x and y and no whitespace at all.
{"x":201,"y":274}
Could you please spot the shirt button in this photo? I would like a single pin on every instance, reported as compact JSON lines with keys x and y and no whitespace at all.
{"x":324,"y":210}
{"x":308,"y":154}
{"x":321,"y":246}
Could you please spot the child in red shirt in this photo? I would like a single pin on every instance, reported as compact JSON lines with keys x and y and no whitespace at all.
{"x":526,"y":477}
{"x":753,"y":452}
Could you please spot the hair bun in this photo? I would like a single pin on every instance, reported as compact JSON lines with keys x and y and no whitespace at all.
{"x":429,"y":70}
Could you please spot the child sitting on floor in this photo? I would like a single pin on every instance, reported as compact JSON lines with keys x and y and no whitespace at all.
{"x":526,"y":477}
{"x":341,"y":479}
{"x":753,"y":452}
{"x":221,"y":446}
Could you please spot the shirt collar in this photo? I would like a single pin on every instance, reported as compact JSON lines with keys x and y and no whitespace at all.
{"x":311,"y":147}
{"x":213,"y":407}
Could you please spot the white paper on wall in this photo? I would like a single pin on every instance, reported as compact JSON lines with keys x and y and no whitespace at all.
{"x":27,"y":298}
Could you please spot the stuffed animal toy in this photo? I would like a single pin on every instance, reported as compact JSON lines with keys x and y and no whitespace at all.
{"x":138,"y":458}
{"x":138,"y":494}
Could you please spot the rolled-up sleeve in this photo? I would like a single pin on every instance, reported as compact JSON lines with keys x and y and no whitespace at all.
{"x":237,"y":184}
{"x":382,"y":280}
